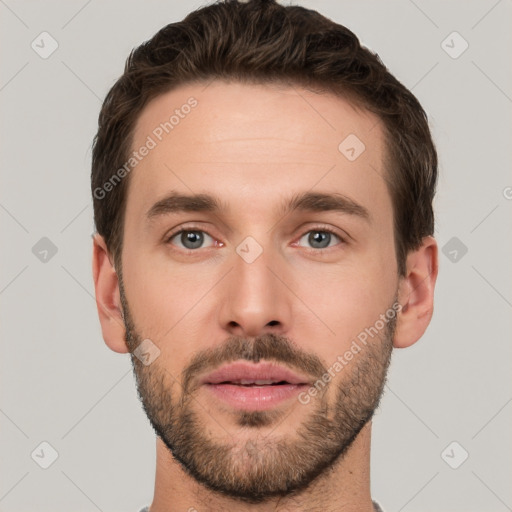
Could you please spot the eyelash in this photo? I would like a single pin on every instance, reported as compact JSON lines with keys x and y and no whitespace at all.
{"x":321,"y":229}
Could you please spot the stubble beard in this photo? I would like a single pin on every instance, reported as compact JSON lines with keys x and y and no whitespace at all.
{"x":260,"y":466}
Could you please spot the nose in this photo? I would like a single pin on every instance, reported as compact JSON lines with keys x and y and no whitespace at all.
{"x":256,"y":299}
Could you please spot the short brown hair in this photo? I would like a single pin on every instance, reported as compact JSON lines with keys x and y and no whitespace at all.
{"x":261,"y":41}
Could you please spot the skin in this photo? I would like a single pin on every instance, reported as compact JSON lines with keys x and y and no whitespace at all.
{"x":254,"y":146}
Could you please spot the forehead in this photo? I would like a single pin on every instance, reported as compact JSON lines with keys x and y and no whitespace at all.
{"x":255,"y":139}
{"x":228,"y":111}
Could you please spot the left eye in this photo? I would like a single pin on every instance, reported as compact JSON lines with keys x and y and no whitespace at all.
{"x":320,"y":238}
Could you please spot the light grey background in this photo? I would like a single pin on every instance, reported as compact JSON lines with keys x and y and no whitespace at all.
{"x":61,"y":384}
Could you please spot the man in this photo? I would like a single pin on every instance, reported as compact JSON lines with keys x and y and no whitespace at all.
{"x":263,"y":201}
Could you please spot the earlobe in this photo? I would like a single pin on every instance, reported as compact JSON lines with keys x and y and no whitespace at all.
{"x":108,"y":300}
{"x":416,"y":294}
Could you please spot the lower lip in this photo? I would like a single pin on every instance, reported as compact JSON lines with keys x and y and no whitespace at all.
{"x":255,"y":398}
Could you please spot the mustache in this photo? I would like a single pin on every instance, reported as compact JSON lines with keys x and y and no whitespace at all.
{"x":269,"y":346}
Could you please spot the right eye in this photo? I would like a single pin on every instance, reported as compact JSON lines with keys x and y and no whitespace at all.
{"x":190,"y":239}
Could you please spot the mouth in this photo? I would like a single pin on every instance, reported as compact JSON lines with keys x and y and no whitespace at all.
{"x":250,"y":386}
{"x":248,"y":374}
{"x":256,"y":384}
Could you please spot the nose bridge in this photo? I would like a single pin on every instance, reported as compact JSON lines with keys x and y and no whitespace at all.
{"x":255,"y":298}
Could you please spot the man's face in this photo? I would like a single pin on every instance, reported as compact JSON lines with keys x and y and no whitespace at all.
{"x":297,"y":294}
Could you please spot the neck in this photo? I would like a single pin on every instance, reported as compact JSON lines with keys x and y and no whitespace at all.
{"x":345,"y":487}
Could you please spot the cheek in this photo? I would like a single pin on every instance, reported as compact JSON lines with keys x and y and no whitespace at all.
{"x":173,"y":303}
{"x":156,"y":296}
{"x":344,"y":300}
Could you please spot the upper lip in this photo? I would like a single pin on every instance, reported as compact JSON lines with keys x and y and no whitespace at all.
{"x":249,"y":373}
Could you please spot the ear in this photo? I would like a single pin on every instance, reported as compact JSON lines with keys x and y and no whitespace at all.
{"x":416,"y":294}
{"x":108,"y":299}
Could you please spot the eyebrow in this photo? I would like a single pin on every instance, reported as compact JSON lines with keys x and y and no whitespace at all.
{"x":177,"y":202}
